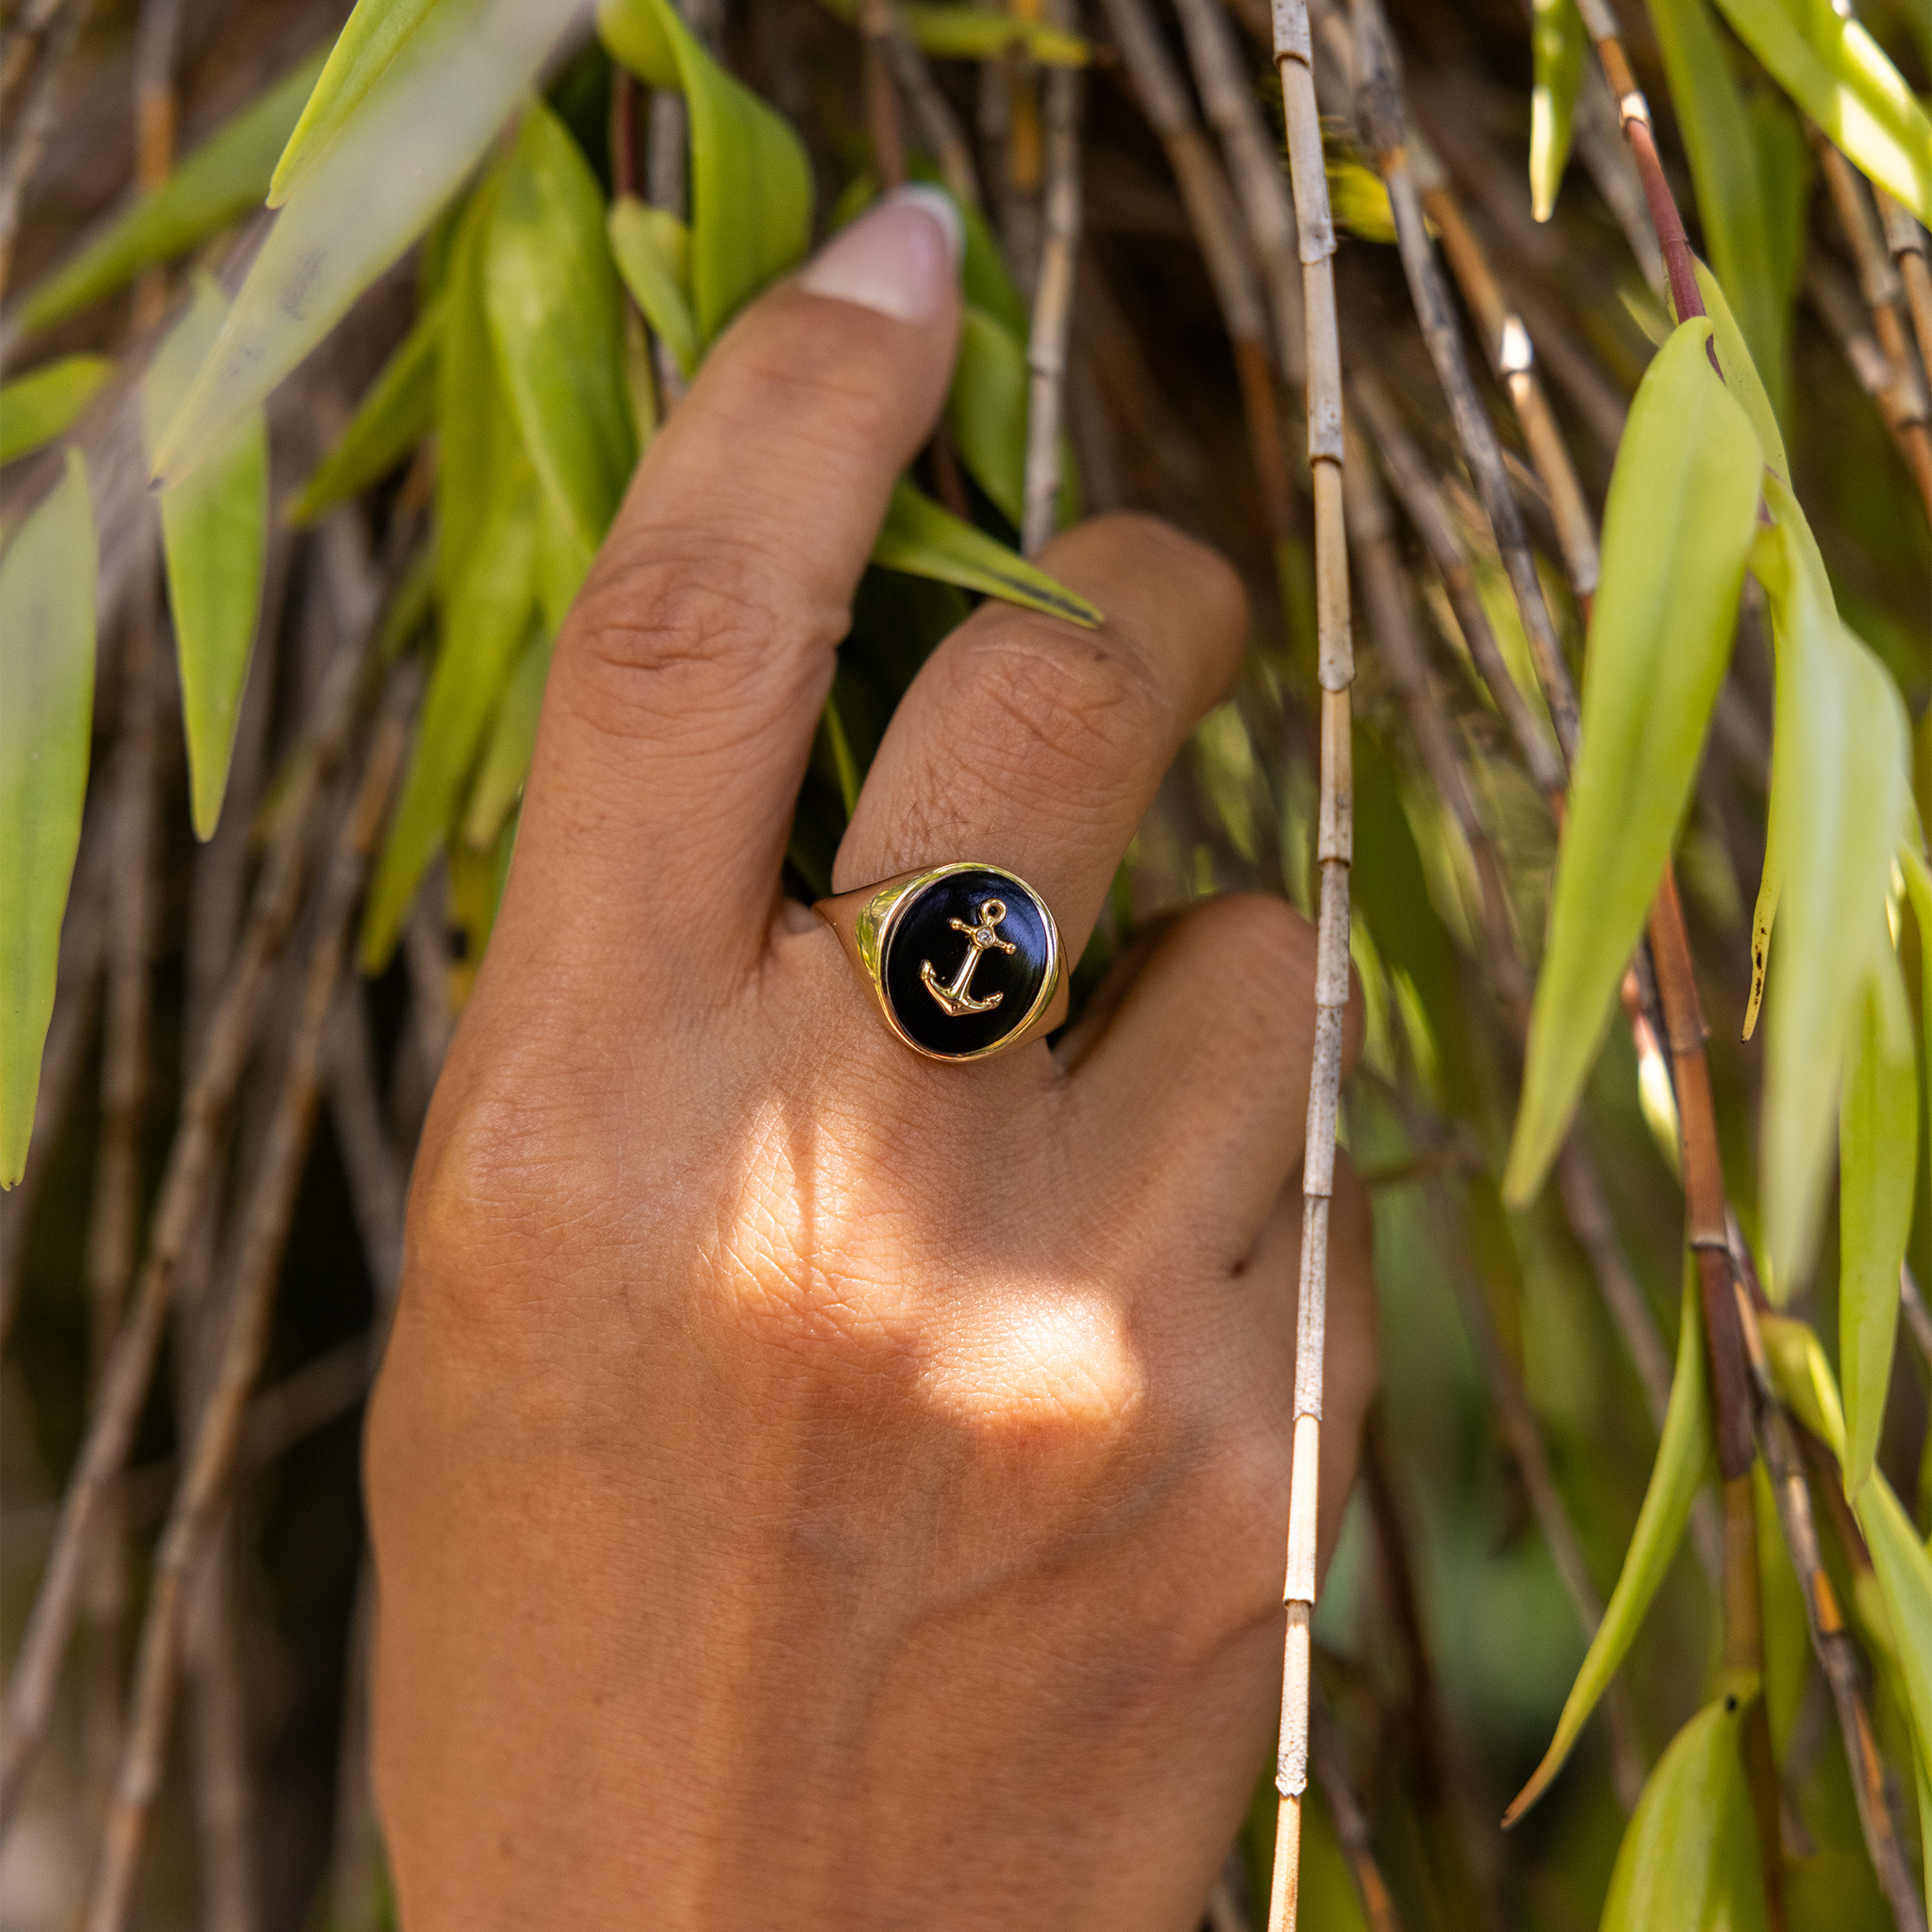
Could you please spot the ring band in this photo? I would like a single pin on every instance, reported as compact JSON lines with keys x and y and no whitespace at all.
{"x":963,"y":959}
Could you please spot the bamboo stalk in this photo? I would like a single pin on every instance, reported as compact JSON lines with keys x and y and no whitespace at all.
{"x":211,"y":1463}
{"x":1907,"y":240}
{"x":885,"y":128}
{"x":1837,"y":1655}
{"x":113,"y":1220}
{"x":34,"y":125}
{"x":1334,"y":847}
{"x":1918,"y":1316}
{"x":1350,"y":1827}
{"x":1234,"y":111}
{"x":1216,"y":220}
{"x":1379,"y":106}
{"x":937,"y":121}
{"x":1053,"y":302}
{"x":184,"y":1191}
{"x":1900,"y":400}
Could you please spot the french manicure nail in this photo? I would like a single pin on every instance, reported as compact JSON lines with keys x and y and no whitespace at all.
{"x":899,"y":258}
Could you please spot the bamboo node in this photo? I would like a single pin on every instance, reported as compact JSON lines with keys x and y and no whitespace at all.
{"x":1633,"y":107}
{"x":1516,"y":353}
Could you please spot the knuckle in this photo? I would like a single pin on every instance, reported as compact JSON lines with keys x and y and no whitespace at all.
{"x":685,"y":605}
{"x":1083,"y":702}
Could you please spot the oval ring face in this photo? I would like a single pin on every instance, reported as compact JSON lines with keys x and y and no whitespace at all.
{"x":969,"y":958}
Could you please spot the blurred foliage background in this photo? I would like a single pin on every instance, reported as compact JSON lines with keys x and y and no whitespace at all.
{"x":351,"y":603}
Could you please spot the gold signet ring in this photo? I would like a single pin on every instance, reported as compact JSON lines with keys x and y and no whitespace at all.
{"x":964,"y":960}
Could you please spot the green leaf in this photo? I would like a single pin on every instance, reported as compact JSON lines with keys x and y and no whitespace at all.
{"x":222,"y":179}
{"x":1690,"y":1854}
{"x":1359,"y":201}
{"x":1905,"y":1582}
{"x":1683,"y":1457}
{"x":1677,"y":526}
{"x":954,"y":32}
{"x":1740,"y":374}
{"x":750,"y":180}
{"x":47,"y":402}
{"x":46,"y":719}
{"x":1560,"y":47}
{"x":361,"y":56}
{"x":391,"y":419}
{"x":653,"y":251}
{"x":556,"y":315}
{"x":506,"y":758}
{"x":1918,"y":890}
{"x":1878,"y":1153}
{"x":214,"y":537}
{"x":986,"y":411}
{"x":925,"y":541}
{"x":419,"y":131}
{"x":1722,"y":151}
{"x":1839,"y":787}
{"x":1804,"y":1380}
{"x":977,"y":33}
{"x":479,"y":445}
{"x":1840,"y":75}
{"x":490,"y":617}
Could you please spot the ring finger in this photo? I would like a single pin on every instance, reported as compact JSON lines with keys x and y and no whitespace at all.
{"x":1036,"y":746}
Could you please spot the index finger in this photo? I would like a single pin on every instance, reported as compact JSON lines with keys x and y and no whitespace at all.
{"x":690,"y":675}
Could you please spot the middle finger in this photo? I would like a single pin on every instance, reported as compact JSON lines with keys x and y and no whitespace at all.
{"x":1031,"y":744}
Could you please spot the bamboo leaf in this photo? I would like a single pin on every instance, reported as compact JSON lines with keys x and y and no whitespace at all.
{"x":361,"y":56}
{"x":1905,"y":1582}
{"x":1740,"y":372}
{"x":47,"y":402}
{"x":390,"y":419}
{"x":214,"y":537}
{"x":506,"y":758}
{"x":1359,"y":201}
{"x":1840,"y":75}
{"x":750,"y":180}
{"x":925,"y":541}
{"x":490,"y":617}
{"x":1683,"y":1457}
{"x":1918,"y":890}
{"x":556,"y":315}
{"x":222,"y":179}
{"x":1878,"y":1152}
{"x":46,"y":717}
{"x":1839,"y":792}
{"x":1689,"y":1854}
{"x":418,"y":132}
{"x":1560,"y":47}
{"x":476,"y":431}
{"x":954,"y":32}
{"x":1722,"y":151}
{"x":1804,"y":1380}
{"x":1677,"y":526}
{"x":986,"y":411}
{"x":653,"y":251}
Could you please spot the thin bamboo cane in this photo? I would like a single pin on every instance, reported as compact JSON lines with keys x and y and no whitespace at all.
{"x":1918,"y":1316}
{"x":114,"y":1215}
{"x":34,"y":125}
{"x":1900,"y":403}
{"x":1903,"y":403}
{"x":1234,"y":111}
{"x":1379,"y":106}
{"x":211,"y":1464}
{"x":22,"y":41}
{"x":1837,"y":1654}
{"x":666,"y":187}
{"x":1907,"y":240}
{"x":184,"y":1191}
{"x":1294,"y":62}
{"x":884,"y":124}
{"x":1216,"y":220}
{"x":1350,"y":1827}
{"x":1053,"y":302}
{"x":934,"y":112}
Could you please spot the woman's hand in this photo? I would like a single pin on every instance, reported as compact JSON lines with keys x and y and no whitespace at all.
{"x":814,"y":1486}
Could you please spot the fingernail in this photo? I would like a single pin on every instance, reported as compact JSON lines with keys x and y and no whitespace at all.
{"x":900,"y":258}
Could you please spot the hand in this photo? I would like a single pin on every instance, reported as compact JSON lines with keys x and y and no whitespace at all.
{"x":811,"y":1485}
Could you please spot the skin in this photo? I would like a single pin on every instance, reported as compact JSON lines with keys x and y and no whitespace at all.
{"x":812,"y":1485}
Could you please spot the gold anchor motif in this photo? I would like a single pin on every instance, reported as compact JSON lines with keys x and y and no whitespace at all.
{"x":954,"y":1000}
